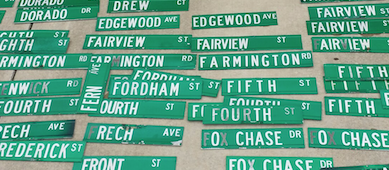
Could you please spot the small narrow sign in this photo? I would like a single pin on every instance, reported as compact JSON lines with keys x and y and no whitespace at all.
{"x":137,"y":22}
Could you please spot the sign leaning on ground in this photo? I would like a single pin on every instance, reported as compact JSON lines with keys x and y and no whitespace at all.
{"x":347,"y":106}
{"x":360,"y":86}
{"x":265,"y":163}
{"x":58,"y":151}
{"x":29,"y":4}
{"x":255,"y":61}
{"x":349,"y":11}
{"x":356,"y":72}
{"x":247,"y":43}
{"x":259,"y":86}
{"x":34,"y":45}
{"x":351,"y":44}
{"x":252,"y":138}
{"x":134,"y":134}
{"x":147,"y":5}
{"x":126,"y":163}
{"x":366,"y":26}
{"x":234,"y":20}
{"x":37,"y":130}
{"x":348,"y":139}
{"x":151,"y":42}
{"x":44,"y":61}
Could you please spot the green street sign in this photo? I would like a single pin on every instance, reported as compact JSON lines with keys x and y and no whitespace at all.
{"x":252,"y":115}
{"x":360,"y":86}
{"x":37,"y":130}
{"x":137,"y":22}
{"x":349,"y":11}
{"x":320,"y":1}
{"x":6,"y":3}
{"x":155,"y":89}
{"x":38,"y":106}
{"x":44,"y":61}
{"x":150,"y":42}
{"x":34,"y":45}
{"x":142,"y":109}
{"x":255,"y":61}
{"x":147,"y":6}
{"x":152,"y":61}
{"x":269,"y":163}
{"x":126,"y":163}
{"x":94,"y":85}
{"x":385,"y":98}
{"x":311,"y":109}
{"x":366,"y":26}
{"x":56,"y":14}
{"x":196,"y":110}
{"x":30,"y":4}
{"x":252,"y":138}
{"x":347,"y":106}
{"x":134,"y":134}
{"x":348,"y":138}
{"x":356,"y":72}
{"x":260,"y":86}
{"x":2,"y":13}
{"x":211,"y":87}
{"x":247,"y":43}
{"x":35,"y":34}
{"x":234,"y":20}
{"x":365,"y":167}
{"x":58,"y":151}
{"x":47,"y":87}
{"x":351,"y":44}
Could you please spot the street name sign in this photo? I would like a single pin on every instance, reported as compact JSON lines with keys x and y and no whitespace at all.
{"x":356,"y":72}
{"x":137,"y":22}
{"x":360,"y":86}
{"x":365,"y":26}
{"x":147,"y":5}
{"x":348,"y":106}
{"x":35,"y":34}
{"x":196,"y":110}
{"x":30,"y":4}
{"x":358,"y":11}
{"x":40,"y":45}
{"x":351,"y":44}
{"x":44,"y":61}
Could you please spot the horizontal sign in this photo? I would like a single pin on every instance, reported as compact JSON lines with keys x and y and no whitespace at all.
{"x":45,"y":87}
{"x":360,"y":86}
{"x":25,"y":4}
{"x":255,"y":61}
{"x":37,"y":130}
{"x":56,"y":14}
{"x":35,"y":34}
{"x":7,"y":3}
{"x":348,"y":139}
{"x":38,"y":106}
{"x":366,"y":167}
{"x":234,"y":20}
{"x":196,"y":110}
{"x":248,"y":43}
{"x":155,"y":89}
{"x":134,"y":134}
{"x":44,"y":61}
{"x":126,"y":163}
{"x":356,"y":72}
{"x":252,"y":115}
{"x":366,"y":26}
{"x":147,"y":5}
{"x":311,"y":109}
{"x":319,"y":1}
{"x":385,"y":98}
{"x":2,"y":13}
{"x":265,"y":163}
{"x":150,"y":42}
{"x":142,"y":109}
{"x":252,"y":138}
{"x":351,"y":44}
{"x":259,"y":86}
{"x":34,"y":45}
{"x":348,"y":11}
{"x":137,"y":22}
{"x":58,"y":151}
{"x":347,"y":106}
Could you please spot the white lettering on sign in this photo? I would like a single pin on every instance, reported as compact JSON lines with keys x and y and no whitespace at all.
{"x":134,"y":5}
{"x":340,"y":26}
{"x":56,"y":126}
{"x":25,"y":106}
{"x":224,"y":114}
{"x":241,"y":164}
{"x":14,"y":131}
{"x":43,"y":15}
{"x":222,"y":43}
{"x":269,"y":138}
{"x":116,"y":41}
{"x":130,"y":23}
{"x":358,"y":71}
{"x":364,"y":139}
{"x":125,"y":61}
{"x":91,"y":97}
{"x":37,"y":3}
{"x":228,"y":20}
{"x":11,"y":44}
{"x":171,"y":132}
{"x":344,"y":106}
{"x":114,"y":133}
{"x":149,"y":75}
{"x":146,"y":89}
{"x":271,"y":84}
{"x":354,"y":44}
{"x":279,"y":164}
{"x":346,"y":11}
{"x":102,"y":163}
{"x":49,"y":150}
{"x":32,"y":61}
{"x":119,"y":107}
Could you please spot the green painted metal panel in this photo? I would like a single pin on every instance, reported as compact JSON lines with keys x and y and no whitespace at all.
{"x":34,"y":45}
{"x":6,"y":3}
{"x":356,"y":72}
{"x":350,"y":106}
{"x":385,"y":98}
{"x":30,"y":4}
{"x":147,"y":5}
{"x":360,"y":86}
{"x":44,"y":61}
{"x":365,"y":167}
{"x":365,"y":26}
{"x":34,"y":34}
{"x":2,"y":13}
{"x":196,"y":110}
{"x":351,"y":44}
{"x":137,"y":22}
{"x":357,"y":11}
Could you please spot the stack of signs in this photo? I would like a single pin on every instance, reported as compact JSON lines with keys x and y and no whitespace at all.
{"x":56,"y":10}
{"x":349,"y":19}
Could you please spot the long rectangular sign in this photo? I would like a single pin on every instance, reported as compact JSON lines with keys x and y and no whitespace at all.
{"x":37,"y":130}
{"x":134,"y":134}
{"x":25,"y":4}
{"x":267,"y":163}
{"x":347,"y":106}
{"x":252,"y":138}
{"x":147,"y":5}
{"x":126,"y":163}
{"x":351,"y":44}
{"x":7,"y":3}
{"x":35,"y":34}
{"x":356,"y":72}
{"x":360,"y":86}
{"x":45,"y":87}
{"x":137,"y":22}
{"x":320,"y":1}
{"x":34,"y":45}
{"x":150,"y":42}
{"x":259,"y":86}
{"x":196,"y":110}
{"x":366,"y":26}
{"x":348,"y":139}
{"x":247,"y":43}
{"x":255,"y":61}
{"x":58,"y":151}
{"x":349,"y":11}
{"x":234,"y":20}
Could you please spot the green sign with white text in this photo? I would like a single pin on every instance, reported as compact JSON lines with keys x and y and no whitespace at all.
{"x":247,"y":43}
{"x":34,"y":45}
{"x":349,"y":11}
{"x":351,"y":44}
{"x":385,"y":98}
{"x":137,"y":22}
{"x":356,"y":72}
{"x":347,"y":106}
{"x":255,"y":61}
{"x":147,"y":5}
{"x":58,"y":151}
{"x":35,"y":34}
{"x":260,"y":86}
{"x":134,"y":134}
{"x":348,"y":139}
{"x":6,"y":3}
{"x":196,"y":110}
{"x":44,"y":61}
{"x":29,"y":4}
{"x":234,"y":20}
{"x":252,"y":138}
{"x":360,"y":86}
{"x":366,"y":26}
